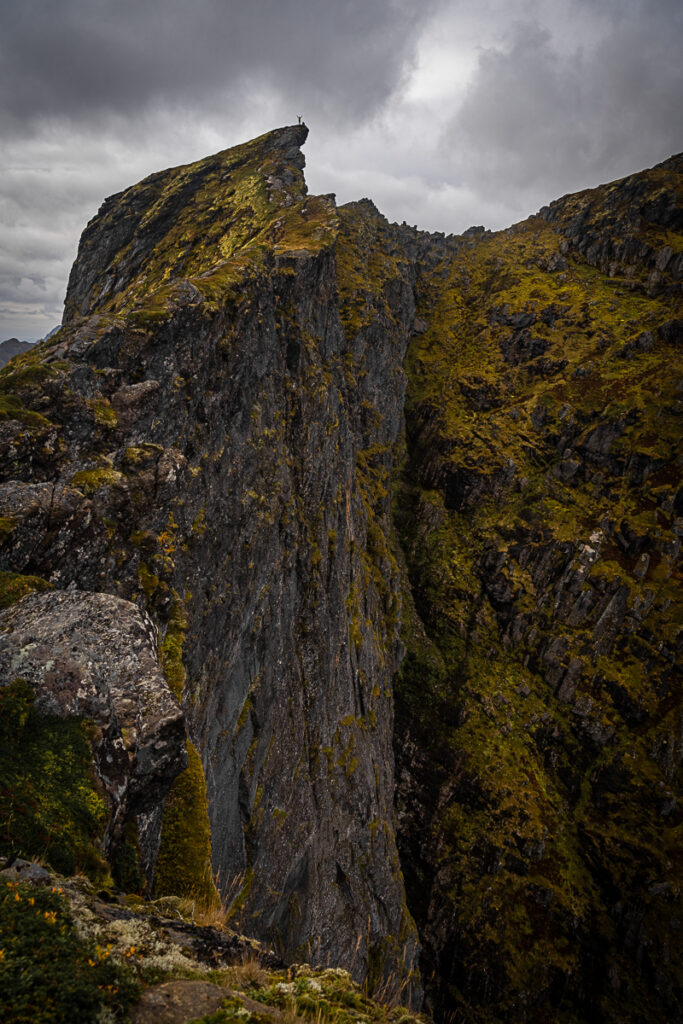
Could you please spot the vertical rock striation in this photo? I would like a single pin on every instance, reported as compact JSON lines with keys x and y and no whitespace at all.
{"x":350,"y":469}
{"x":224,"y":458}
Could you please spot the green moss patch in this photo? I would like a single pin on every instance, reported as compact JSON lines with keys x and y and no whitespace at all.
{"x":50,"y":806}
{"x":14,"y":586}
{"x":184,"y":862}
{"x":104,"y":415}
{"x":7,"y":526}
{"x":171,"y":648}
{"x":11,"y":408}
{"x":91,"y":480}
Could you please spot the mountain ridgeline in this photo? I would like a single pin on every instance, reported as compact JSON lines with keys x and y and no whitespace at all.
{"x":340,"y":563}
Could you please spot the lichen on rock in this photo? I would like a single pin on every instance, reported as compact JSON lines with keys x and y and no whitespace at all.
{"x":92,"y":658}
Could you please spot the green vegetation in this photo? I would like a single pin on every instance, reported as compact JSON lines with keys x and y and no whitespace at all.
{"x":324,"y":996}
{"x":171,"y":647}
{"x":48,"y":974}
{"x":50,"y":806}
{"x":184,"y":862}
{"x":91,"y":480}
{"x":227,"y":219}
{"x":547,"y":799}
{"x":140,"y":455}
{"x":149,"y":581}
{"x":104,"y":415}
{"x":7,"y":525}
{"x":24,"y":371}
{"x":22,"y":381}
{"x":11,"y":408}
{"x":14,"y":586}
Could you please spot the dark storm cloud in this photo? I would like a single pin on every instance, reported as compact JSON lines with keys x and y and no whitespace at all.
{"x":446,"y":112}
{"x":544,"y":111}
{"x":95,"y":94}
{"x":80,"y":59}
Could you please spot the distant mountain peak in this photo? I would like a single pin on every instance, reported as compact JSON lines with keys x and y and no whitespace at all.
{"x":12,"y":347}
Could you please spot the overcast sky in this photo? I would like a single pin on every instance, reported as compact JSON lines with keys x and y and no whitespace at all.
{"x":446,"y":113}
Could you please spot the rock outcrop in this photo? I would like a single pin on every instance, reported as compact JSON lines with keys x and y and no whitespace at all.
{"x":94,"y":657}
{"x":351,"y":470}
{"x":223,"y":457}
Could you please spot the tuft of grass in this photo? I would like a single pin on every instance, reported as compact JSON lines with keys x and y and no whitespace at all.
{"x":248,"y":973}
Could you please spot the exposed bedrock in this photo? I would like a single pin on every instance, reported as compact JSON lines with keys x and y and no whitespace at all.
{"x":94,"y":656}
{"x":223,"y":458}
{"x":351,"y":470}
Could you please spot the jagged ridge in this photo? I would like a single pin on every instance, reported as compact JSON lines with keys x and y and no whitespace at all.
{"x":217,"y":432}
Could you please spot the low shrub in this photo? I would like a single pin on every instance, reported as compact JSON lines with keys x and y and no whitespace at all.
{"x":48,"y":975}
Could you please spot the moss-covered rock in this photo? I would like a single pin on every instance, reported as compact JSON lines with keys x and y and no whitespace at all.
{"x":537,"y":516}
{"x":101,"y":715}
{"x":183,"y":865}
{"x":51,"y":803}
{"x":14,"y":586}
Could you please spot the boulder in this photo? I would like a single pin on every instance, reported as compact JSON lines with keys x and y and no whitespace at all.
{"x":94,"y":656}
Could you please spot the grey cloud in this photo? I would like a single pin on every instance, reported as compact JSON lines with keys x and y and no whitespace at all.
{"x":82,"y":58}
{"x":538,"y":118}
{"x":95,"y":94}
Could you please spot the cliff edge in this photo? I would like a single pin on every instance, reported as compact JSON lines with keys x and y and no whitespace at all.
{"x":403,"y":513}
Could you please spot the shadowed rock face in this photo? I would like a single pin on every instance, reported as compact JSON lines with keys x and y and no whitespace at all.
{"x":538,"y":736}
{"x":224,"y":459}
{"x":94,"y":656}
{"x":351,"y":469}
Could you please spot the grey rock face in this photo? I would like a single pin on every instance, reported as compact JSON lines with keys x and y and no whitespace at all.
{"x":228,"y":467}
{"x":94,"y":656}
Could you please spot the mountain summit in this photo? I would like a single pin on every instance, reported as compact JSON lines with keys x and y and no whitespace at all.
{"x":398,"y":515}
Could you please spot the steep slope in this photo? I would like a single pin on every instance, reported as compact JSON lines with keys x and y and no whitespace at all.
{"x":350,"y":468}
{"x":212,"y":446}
{"x":539,"y":709}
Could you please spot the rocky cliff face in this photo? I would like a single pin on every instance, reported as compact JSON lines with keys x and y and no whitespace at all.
{"x":220,"y":452}
{"x":539,"y":707}
{"x":307,"y":443}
